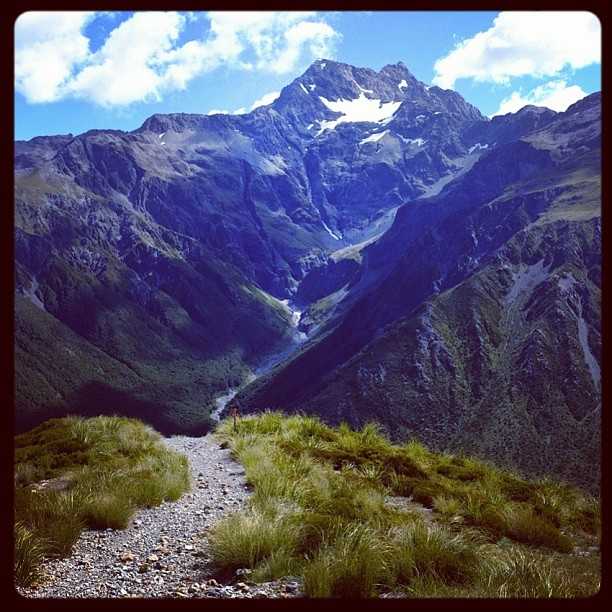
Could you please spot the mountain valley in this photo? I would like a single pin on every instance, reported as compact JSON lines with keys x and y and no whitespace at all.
{"x":366,"y":247}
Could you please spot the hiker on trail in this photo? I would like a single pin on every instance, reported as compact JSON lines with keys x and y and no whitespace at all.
{"x":235,"y":414}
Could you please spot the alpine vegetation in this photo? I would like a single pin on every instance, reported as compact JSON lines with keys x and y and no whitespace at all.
{"x":358,"y":516}
{"x":75,"y":473}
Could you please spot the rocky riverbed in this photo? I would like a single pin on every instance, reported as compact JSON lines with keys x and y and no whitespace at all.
{"x":164,"y":550}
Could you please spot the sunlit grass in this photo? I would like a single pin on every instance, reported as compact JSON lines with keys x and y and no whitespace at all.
{"x":318,"y":510}
{"x":107,"y":468}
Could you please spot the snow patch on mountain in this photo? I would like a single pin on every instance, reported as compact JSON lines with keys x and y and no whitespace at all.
{"x":402,"y":84}
{"x":303,"y":88}
{"x":374,"y":137}
{"x":527,"y":279}
{"x":477,"y":146}
{"x":360,"y":109}
{"x":329,"y":231}
{"x":362,"y":89}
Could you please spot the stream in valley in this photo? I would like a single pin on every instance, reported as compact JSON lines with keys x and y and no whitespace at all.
{"x":270,"y":362}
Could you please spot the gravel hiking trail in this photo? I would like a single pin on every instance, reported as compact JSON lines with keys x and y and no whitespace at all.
{"x":164,"y":550}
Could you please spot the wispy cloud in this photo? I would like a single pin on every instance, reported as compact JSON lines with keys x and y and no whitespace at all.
{"x":538,"y":44}
{"x":556,"y":95}
{"x":265,"y":99}
{"x":141,"y":59}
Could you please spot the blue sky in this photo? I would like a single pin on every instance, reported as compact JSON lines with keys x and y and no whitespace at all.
{"x":80,"y":70}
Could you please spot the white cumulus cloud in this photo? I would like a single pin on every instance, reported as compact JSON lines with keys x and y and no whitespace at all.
{"x":48,"y":47}
{"x":277,"y":40}
{"x":556,"y":95}
{"x":131,"y":65}
{"x":141,"y":58}
{"x":539,"y":44}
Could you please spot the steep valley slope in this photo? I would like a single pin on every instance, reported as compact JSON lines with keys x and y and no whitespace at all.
{"x":475,"y":321}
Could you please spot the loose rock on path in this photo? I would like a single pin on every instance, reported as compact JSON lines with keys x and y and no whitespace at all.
{"x":163,"y":551}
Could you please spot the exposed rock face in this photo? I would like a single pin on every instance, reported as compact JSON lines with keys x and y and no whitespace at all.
{"x":362,"y":197}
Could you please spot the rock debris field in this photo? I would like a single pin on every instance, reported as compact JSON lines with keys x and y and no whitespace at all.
{"x":164,"y":550}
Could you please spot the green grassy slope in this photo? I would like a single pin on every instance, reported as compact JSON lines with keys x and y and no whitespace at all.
{"x":59,"y":372}
{"x":357,"y":516}
{"x":72,"y":473}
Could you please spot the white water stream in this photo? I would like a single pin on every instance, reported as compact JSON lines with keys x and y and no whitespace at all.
{"x":299,"y":337}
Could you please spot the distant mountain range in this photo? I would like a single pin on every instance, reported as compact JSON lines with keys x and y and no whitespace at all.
{"x":370,"y":247}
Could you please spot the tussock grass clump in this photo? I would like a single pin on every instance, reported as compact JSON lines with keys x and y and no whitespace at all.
{"x":96,"y":473}
{"x":436,"y":553}
{"x":447,"y":506}
{"x":520,"y":573}
{"x":523,"y":525}
{"x":351,"y":564}
{"x":29,"y":552}
{"x":585,"y":514}
{"x":53,"y":517}
{"x":26,"y":473}
{"x":320,"y":509}
{"x":243,"y":540}
{"x":108,"y":510}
